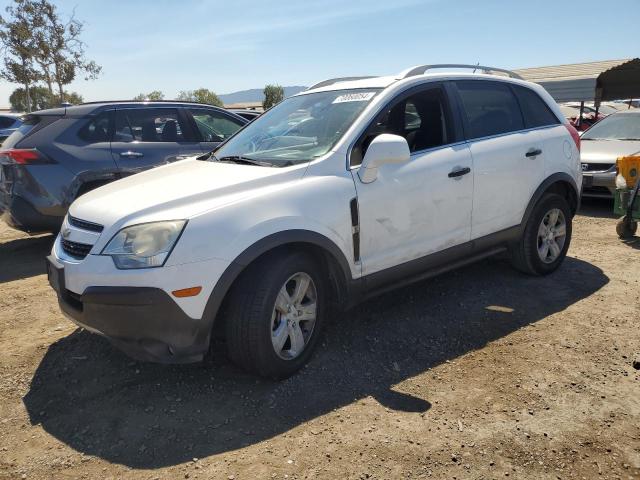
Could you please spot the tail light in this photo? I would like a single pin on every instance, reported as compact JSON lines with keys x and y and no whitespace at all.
{"x":574,"y":134}
{"x":23,"y":156}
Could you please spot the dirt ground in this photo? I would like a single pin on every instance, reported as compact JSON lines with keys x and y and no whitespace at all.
{"x":480,"y":373}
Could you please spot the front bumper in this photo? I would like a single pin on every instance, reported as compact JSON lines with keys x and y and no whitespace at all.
{"x":143,"y":322}
{"x":599,"y":184}
{"x":134,"y":309}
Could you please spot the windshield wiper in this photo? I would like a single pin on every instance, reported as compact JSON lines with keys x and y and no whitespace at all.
{"x":242,"y":160}
{"x":629,"y":139}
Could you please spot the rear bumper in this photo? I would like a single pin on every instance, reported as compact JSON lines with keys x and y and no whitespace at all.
{"x":144,"y":322}
{"x":598,"y":184}
{"x":21,"y":215}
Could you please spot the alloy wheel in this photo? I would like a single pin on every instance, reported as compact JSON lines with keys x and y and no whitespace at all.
{"x":552,"y":234}
{"x":294,"y":316}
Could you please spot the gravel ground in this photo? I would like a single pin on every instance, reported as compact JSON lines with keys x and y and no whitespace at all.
{"x":480,"y":373}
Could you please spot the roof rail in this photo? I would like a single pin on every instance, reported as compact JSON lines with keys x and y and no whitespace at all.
{"x":419,"y":70}
{"x":142,"y":101}
{"x":331,"y":81}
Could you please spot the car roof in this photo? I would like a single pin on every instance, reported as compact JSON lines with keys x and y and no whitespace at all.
{"x":90,"y":107}
{"x":387,"y":81}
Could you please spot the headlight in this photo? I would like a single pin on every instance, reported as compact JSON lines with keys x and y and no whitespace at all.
{"x":144,"y":246}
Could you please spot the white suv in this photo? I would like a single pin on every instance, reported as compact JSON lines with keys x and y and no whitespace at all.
{"x":338,"y":193}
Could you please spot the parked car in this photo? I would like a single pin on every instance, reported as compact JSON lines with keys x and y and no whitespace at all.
{"x":59,"y":154}
{"x":265,"y":237}
{"x":246,"y":113}
{"x":9,"y":123}
{"x":616,"y":136}
{"x":572,"y":114}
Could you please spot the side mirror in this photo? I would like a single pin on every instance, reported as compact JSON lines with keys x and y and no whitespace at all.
{"x":385,"y":148}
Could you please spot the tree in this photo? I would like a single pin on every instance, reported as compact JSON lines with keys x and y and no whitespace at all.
{"x":40,"y":99}
{"x":273,"y":94}
{"x":20,"y":47}
{"x":61,"y":52}
{"x":152,"y":96}
{"x":201,"y":95}
{"x":73,"y":98}
{"x":37,"y":45}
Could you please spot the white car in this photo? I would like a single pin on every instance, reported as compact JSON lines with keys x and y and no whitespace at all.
{"x":387,"y":181}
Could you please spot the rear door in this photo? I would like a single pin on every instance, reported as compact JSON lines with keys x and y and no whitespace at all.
{"x":553,"y":134}
{"x":148,"y":137}
{"x":507,"y":157}
{"x":213,"y":126}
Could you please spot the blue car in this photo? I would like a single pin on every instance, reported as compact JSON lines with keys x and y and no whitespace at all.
{"x":9,"y":123}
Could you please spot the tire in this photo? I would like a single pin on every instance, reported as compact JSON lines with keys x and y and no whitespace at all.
{"x":252,"y":316}
{"x":626,"y":228}
{"x":527,"y":255}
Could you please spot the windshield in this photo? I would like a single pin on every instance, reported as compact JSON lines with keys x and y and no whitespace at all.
{"x":623,"y":126}
{"x":298,"y":130}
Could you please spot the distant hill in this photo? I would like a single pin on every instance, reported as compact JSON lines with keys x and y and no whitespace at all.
{"x":254,"y":95}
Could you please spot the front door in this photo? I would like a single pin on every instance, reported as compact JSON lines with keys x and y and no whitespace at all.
{"x":149,"y":137}
{"x":422,"y":206}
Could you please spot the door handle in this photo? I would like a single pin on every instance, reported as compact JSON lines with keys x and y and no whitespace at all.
{"x":458,"y":172}
{"x":534,"y":152}
{"x":131,"y":154}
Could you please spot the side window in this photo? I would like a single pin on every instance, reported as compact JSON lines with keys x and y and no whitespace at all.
{"x":97,"y":129}
{"x":214,"y":126}
{"x":148,"y":125}
{"x":421,"y":118}
{"x":490,"y":108}
{"x":535,"y":111}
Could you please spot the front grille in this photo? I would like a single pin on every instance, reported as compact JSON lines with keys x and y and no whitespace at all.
{"x":597,"y":167}
{"x":76,"y":250}
{"x":84,"y":225}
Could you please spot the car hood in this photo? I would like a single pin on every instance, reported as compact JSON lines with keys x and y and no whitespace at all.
{"x":607,"y":151}
{"x":178,"y":191}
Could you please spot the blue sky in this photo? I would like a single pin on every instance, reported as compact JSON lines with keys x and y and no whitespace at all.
{"x":145,"y":45}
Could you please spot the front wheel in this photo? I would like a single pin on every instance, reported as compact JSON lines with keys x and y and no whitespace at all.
{"x":275,"y":314}
{"x":546,"y":237}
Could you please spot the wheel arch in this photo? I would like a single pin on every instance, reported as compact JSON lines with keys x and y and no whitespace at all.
{"x":562,"y":184}
{"x":325,"y":251}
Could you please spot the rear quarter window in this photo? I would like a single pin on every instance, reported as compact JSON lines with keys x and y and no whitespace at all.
{"x":490,"y":108}
{"x":535,"y":111}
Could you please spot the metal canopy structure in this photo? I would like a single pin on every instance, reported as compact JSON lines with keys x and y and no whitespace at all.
{"x":595,"y":81}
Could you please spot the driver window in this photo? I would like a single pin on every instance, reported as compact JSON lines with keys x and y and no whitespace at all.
{"x":419,"y":118}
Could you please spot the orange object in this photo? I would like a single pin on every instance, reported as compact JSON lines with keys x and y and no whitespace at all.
{"x":629,"y":168}
{"x":187,"y":292}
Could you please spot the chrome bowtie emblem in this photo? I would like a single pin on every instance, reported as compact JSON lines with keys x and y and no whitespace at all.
{"x":66,"y":233}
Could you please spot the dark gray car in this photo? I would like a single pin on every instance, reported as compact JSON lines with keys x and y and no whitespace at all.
{"x":57,"y":155}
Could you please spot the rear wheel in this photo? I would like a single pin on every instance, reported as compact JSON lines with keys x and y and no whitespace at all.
{"x":275,"y":314}
{"x":546,"y":237}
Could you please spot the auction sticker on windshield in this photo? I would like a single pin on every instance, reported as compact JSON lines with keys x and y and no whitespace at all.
{"x":354,"y":97}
